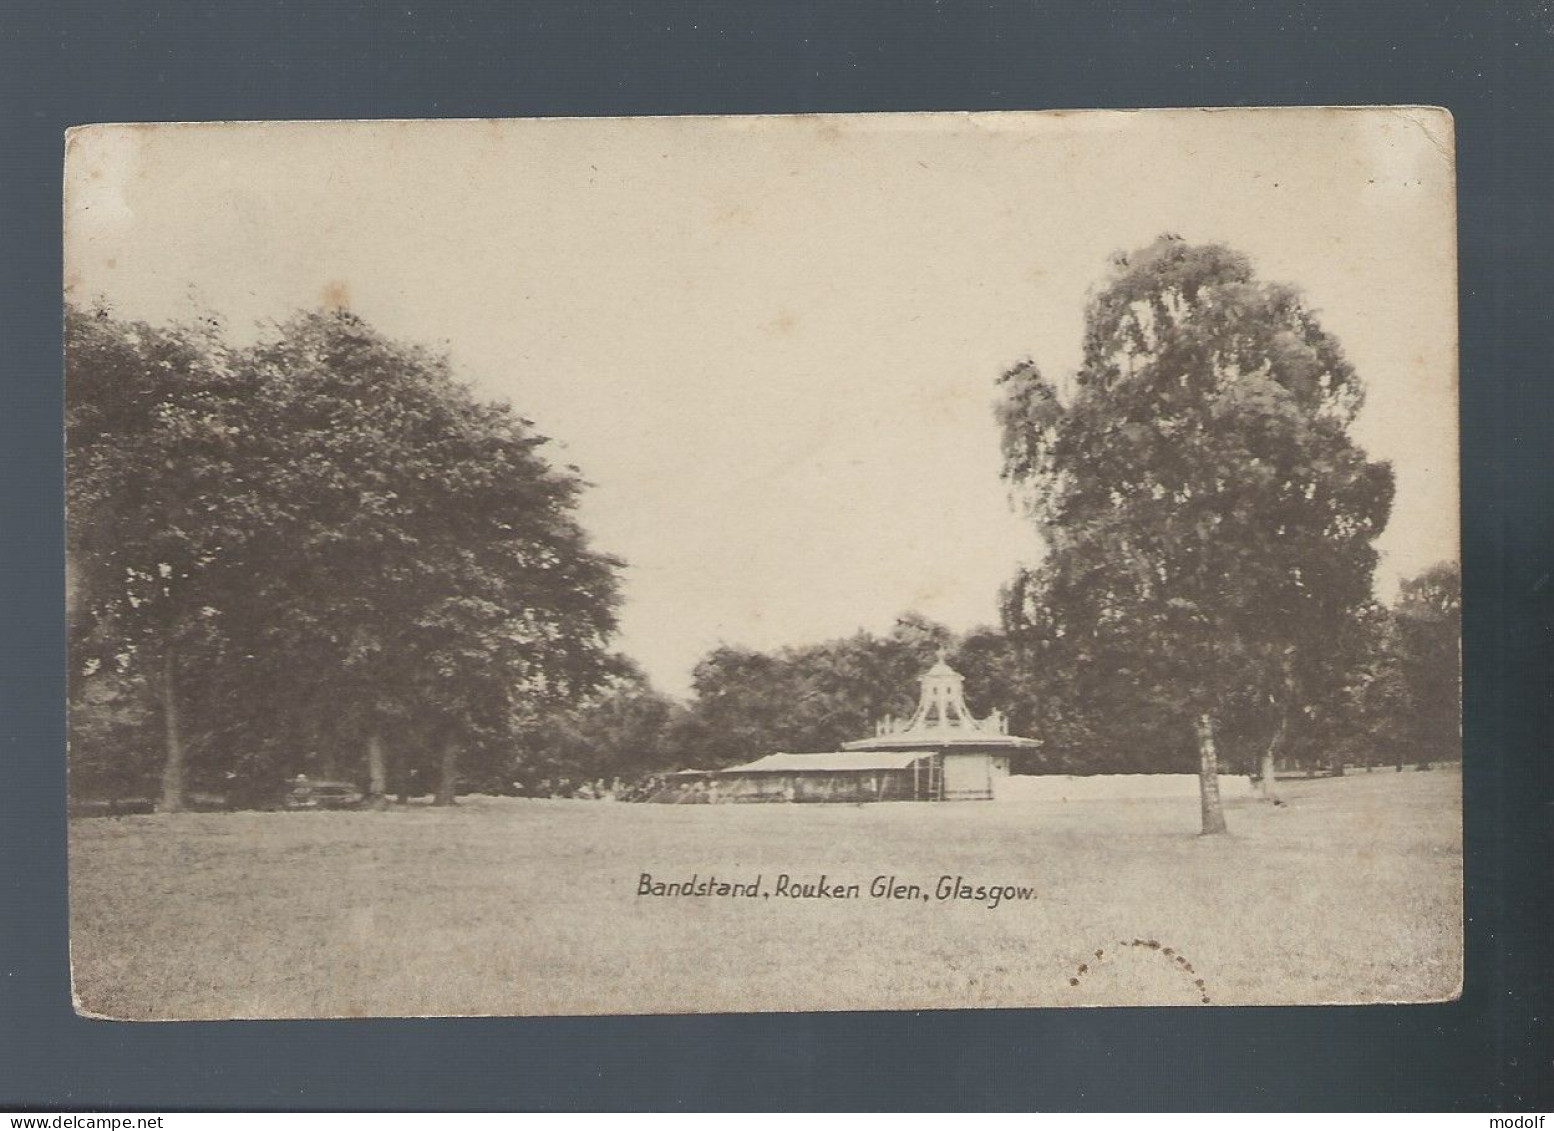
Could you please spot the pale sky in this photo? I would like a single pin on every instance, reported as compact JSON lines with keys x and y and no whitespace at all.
{"x":772,"y":343}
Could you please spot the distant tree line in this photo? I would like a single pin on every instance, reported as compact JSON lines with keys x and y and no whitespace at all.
{"x":1397,"y":702}
{"x":1394,"y":700}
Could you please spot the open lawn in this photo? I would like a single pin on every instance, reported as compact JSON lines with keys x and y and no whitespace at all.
{"x":1352,"y":892}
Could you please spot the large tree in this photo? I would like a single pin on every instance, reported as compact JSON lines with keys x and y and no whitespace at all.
{"x":431,"y":560}
{"x":1427,"y":652}
{"x":620,"y":730}
{"x":358,"y":548}
{"x":1208,"y":516}
{"x":159,"y":509}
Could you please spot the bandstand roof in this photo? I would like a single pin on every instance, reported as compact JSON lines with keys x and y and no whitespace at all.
{"x":942,"y":720}
{"x":938,"y":738}
{"x":833,"y":760}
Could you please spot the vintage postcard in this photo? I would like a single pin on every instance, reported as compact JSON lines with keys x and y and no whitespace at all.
{"x":683,"y":565}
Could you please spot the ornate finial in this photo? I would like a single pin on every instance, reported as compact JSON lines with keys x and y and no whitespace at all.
{"x":943,"y":654}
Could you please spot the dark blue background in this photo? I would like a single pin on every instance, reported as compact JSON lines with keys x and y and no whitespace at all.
{"x":1489,"y":63}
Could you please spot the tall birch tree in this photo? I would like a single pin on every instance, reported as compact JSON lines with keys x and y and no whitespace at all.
{"x":1209,"y":517}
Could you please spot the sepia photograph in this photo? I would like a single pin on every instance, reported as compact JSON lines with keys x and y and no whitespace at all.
{"x":537,"y":567}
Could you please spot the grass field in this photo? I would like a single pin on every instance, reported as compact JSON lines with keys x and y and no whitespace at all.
{"x":1349,"y":893}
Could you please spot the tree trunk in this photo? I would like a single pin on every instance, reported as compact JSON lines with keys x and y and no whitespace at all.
{"x":328,"y":770}
{"x":448,"y":778}
{"x":401,"y":778}
{"x":1270,"y":752}
{"x":1208,"y":778}
{"x":377,"y":773}
{"x":314,"y":737}
{"x":173,"y":763}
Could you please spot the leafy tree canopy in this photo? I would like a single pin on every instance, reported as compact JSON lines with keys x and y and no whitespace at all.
{"x":1209,"y":518}
{"x":321,"y":536}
